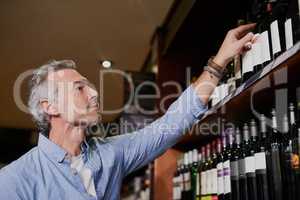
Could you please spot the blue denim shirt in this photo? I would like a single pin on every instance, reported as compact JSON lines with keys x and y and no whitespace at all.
{"x":43,"y":173}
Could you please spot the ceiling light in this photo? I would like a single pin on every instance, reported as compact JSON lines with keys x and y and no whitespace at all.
{"x":106,"y":63}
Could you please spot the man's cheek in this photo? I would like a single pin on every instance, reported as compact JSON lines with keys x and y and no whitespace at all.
{"x":80,"y":107}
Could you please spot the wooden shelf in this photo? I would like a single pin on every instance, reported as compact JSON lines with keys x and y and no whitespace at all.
{"x":255,"y":93}
{"x":190,"y":35}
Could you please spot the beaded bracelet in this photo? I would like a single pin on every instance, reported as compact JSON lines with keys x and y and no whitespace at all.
{"x":213,"y":72}
{"x":218,"y":68}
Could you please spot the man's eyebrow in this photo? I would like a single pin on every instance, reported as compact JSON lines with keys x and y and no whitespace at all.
{"x":82,"y":81}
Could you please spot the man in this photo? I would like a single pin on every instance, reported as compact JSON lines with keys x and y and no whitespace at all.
{"x":65,"y":165}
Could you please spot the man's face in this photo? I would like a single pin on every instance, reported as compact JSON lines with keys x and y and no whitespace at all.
{"x":77,"y":100}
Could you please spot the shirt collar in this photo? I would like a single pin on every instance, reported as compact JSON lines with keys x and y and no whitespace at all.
{"x":55,"y":152}
{"x":51,"y":149}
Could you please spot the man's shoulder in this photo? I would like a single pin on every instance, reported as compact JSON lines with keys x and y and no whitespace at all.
{"x":24,"y":163}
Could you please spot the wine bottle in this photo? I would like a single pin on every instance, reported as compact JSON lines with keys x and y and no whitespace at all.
{"x":267,"y":54}
{"x":203,"y":174}
{"x":257,"y":47}
{"x":286,"y":155}
{"x":186,"y":177}
{"x":237,"y":62}
{"x":248,"y":65}
{"x":261,"y":163}
{"x":275,"y":158}
{"x":181,"y":178}
{"x":220,"y":170}
{"x":231,"y":81}
{"x":234,"y":170}
{"x":294,"y":160}
{"x":208,"y":171}
{"x":249,"y":164}
{"x":226,"y":164}
{"x":194,"y":173}
{"x":198,"y":178}
{"x":190,"y":166}
{"x":176,"y":184}
{"x":214,"y":171}
{"x":277,"y":27}
{"x":242,"y":170}
{"x":292,"y":24}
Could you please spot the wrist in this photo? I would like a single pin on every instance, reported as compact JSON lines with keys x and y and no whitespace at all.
{"x":219,"y":60}
{"x":214,"y":68}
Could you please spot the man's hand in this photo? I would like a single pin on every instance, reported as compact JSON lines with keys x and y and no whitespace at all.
{"x":235,"y":43}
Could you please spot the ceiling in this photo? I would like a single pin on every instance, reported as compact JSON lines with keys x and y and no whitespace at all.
{"x":34,"y":31}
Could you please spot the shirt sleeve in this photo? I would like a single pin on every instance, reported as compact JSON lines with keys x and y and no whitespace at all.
{"x":8,"y":189}
{"x":141,"y":147}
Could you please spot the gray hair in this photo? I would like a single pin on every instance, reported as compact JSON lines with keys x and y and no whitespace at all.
{"x":41,"y":89}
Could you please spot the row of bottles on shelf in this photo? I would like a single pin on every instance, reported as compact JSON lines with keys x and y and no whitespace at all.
{"x":139,"y":187}
{"x":277,"y":30}
{"x":247,"y":164}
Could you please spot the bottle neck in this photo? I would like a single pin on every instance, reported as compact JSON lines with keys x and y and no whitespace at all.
{"x":263,"y":126}
{"x":219,"y":147}
{"x":285,"y":126}
{"x":238,"y":140}
{"x":230,"y":141}
{"x":203,"y":155}
{"x":292,"y":114}
{"x":208,"y":153}
{"x":274,"y":121}
{"x":224,"y":142}
{"x":246,"y":133}
{"x":253,"y":130}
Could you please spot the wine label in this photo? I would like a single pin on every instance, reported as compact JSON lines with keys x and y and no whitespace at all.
{"x":187,"y":181}
{"x":181,"y":182}
{"x":250,"y":164}
{"x":242,"y":169}
{"x":264,"y":40}
{"x":275,"y":37}
{"x":288,"y":30}
{"x":176,"y":188}
{"x":237,"y":67}
{"x":214,"y":197}
{"x":231,"y":85}
{"x":234,"y":170}
{"x":247,"y":61}
{"x":260,"y":161}
{"x":227,"y":182}
{"x":214,"y":181}
{"x":179,"y":190}
{"x":208,"y":182}
{"x":220,"y":178}
{"x":224,"y":90}
{"x":203,"y":183}
{"x":216,"y":96}
{"x":257,"y":52}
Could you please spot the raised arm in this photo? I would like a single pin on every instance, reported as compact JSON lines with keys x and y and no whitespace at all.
{"x":143,"y":146}
{"x":236,"y":42}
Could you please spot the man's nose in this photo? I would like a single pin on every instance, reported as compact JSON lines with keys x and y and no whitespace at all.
{"x":92,"y":92}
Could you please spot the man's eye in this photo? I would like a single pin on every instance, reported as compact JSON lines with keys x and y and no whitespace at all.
{"x":79,"y":88}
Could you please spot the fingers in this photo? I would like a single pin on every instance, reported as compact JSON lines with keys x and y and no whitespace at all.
{"x":247,"y":39}
{"x":242,"y":30}
{"x":255,"y":38}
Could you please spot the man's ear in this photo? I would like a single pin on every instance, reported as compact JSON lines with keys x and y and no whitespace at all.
{"x":49,"y":108}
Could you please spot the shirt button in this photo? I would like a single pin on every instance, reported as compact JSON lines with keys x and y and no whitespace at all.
{"x":74,"y":172}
